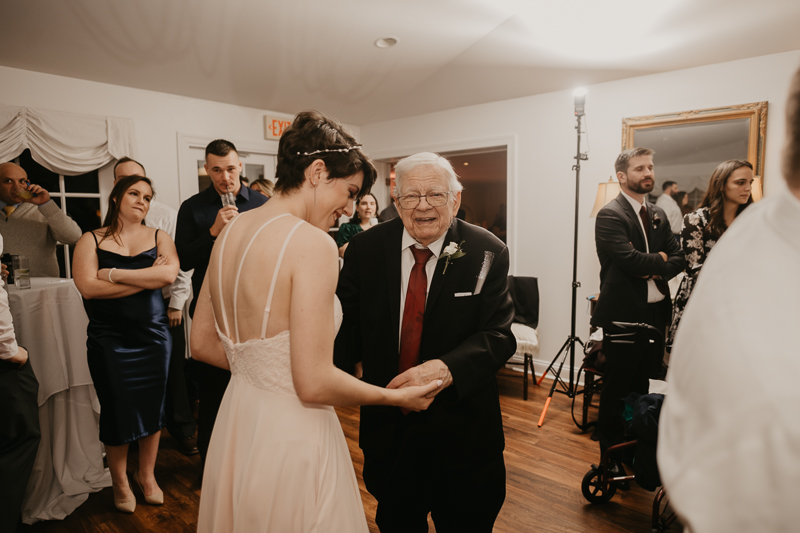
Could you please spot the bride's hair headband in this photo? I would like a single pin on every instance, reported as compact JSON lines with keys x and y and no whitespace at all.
{"x":353,"y":147}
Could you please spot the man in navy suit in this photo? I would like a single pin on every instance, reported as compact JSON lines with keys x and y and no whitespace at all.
{"x":638,"y":255}
{"x":425,"y":297}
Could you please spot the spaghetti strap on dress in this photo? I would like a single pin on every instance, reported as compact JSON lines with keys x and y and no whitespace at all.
{"x":274,"y":462}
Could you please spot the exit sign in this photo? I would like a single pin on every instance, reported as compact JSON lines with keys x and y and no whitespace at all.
{"x":275,"y":126}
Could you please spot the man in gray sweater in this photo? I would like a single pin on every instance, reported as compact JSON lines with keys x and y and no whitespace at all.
{"x":31,"y":223}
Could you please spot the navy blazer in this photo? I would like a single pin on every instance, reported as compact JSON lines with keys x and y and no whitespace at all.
{"x":624,"y":261}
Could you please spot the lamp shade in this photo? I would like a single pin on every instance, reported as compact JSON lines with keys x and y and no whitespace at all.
{"x":756,"y":190}
{"x":605,"y":193}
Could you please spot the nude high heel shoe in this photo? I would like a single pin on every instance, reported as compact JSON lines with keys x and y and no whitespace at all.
{"x":153,"y":499}
{"x":127,"y":505}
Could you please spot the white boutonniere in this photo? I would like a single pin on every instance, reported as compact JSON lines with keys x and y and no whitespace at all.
{"x":451,"y":252}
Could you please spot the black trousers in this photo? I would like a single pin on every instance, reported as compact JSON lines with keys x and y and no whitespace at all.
{"x":629,"y":367}
{"x":212,"y":381}
{"x":19,"y":438}
{"x":415,"y":485}
{"x":180,"y":423}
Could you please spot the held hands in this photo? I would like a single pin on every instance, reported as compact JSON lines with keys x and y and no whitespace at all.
{"x":224,"y":215}
{"x":415,"y":398}
{"x":423,"y":374}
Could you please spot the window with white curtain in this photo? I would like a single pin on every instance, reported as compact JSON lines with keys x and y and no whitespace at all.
{"x":77,"y":196}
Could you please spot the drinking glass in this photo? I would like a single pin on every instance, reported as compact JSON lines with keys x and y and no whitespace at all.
{"x":22,"y":278}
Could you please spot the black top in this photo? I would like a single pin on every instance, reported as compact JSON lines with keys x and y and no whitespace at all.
{"x":193,"y":239}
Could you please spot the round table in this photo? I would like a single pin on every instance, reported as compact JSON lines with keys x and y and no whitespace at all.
{"x":50,"y":322}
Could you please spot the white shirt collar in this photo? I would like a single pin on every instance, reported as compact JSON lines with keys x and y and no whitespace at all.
{"x":635,"y":204}
{"x":435,"y":247}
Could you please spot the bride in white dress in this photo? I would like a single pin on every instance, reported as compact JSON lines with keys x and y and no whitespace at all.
{"x":278,"y":460}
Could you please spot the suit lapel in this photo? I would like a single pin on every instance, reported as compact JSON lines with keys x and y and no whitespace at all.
{"x":633,"y":217}
{"x":438,"y":275}
{"x":392,"y":253}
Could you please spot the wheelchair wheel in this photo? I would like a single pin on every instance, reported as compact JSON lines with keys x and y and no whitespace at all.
{"x":594,"y":490}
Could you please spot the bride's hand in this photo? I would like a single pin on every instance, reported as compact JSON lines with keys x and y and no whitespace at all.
{"x":414,"y":398}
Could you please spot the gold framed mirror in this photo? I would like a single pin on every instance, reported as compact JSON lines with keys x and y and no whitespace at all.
{"x":689,"y":145}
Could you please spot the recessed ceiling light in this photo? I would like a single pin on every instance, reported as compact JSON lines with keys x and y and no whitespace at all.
{"x":386,"y":42}
{"x":466,"y":163}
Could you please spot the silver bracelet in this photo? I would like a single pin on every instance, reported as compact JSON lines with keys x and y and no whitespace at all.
{"x":109,"y":275}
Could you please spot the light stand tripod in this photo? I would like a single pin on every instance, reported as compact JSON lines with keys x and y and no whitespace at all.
{"x":568,"y":348}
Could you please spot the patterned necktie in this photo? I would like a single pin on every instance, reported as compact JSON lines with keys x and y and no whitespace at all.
{"x":661,"y":285}
{"x":414,"y":311}
{"x":9,"y":209}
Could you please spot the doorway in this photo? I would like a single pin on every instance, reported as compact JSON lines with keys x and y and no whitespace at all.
{"x":484,"y":174}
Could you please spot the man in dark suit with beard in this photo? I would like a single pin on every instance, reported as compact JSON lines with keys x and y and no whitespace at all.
{"x":638,"y":255}
{"x":425,"y":297}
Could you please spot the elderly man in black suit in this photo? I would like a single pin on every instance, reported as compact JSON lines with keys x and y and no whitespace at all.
{"x":425,"y":297}
{"x":638,"y":255}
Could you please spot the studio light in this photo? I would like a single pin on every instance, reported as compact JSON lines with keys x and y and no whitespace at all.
{"x":580,"y":100}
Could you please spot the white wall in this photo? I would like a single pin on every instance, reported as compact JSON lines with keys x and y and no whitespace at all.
{"x":541,"y":182}
{"x":158,"y":117}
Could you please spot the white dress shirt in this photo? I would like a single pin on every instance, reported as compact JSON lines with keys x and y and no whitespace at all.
{"x":8,"y":342}
{"x":673,"y":211}
{"x":163,"y":217}
{"x":729,"y":431}
{"x":653,"y":294}
{"x":407,"y":263}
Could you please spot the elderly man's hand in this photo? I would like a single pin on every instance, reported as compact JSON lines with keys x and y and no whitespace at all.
{"x":422,"y":375}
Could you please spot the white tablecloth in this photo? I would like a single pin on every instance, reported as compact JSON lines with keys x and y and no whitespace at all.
{"x":49,"y":320}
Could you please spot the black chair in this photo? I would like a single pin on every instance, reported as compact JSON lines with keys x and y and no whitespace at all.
{"x":525,"y":295}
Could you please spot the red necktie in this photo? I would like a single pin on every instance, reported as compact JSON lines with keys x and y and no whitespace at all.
{"x":414,"y":311}
{"x":661,"y":285}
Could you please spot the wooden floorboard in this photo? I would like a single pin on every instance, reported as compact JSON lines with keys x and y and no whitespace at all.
{"x":544,"y":471}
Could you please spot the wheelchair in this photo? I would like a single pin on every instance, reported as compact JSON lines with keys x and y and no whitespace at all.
{"x":599,"y":485}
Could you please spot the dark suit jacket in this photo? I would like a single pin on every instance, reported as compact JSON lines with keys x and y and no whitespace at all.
{"x":471,"y":334}
{"x":623,"y":259}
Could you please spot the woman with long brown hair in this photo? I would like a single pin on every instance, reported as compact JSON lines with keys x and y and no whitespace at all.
{"x":120,"y":270}
{"x":727,"y":195}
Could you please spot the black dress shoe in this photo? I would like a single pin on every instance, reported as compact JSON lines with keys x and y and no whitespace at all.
{"x":188,"y":446}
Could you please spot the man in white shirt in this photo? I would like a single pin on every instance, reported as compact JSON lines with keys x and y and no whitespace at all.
{"x":729,"y":437}
{"x":19,"y":418}
{"x":180,"y":423}
{"x":671,"y":207}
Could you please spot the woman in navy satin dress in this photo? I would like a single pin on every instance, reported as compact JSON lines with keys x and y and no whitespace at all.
{"x":120,"y":270}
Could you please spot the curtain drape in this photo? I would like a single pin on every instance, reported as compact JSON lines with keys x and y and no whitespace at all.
{"x":65,"y":143}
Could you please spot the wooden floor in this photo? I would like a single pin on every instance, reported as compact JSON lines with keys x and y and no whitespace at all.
{"x":545,"y":467}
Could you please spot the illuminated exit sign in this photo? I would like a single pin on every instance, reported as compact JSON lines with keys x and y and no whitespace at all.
{"x":275,"y":126}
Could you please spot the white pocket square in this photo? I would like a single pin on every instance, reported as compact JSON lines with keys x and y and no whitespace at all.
{"x":462,"y":294}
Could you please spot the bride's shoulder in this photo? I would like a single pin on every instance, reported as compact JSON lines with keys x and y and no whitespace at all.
{"x":312,"y":245}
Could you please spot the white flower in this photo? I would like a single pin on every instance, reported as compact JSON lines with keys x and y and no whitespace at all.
{"x":450,"y":249}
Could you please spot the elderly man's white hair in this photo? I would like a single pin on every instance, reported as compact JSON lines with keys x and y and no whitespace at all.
{"x":411,"y":162}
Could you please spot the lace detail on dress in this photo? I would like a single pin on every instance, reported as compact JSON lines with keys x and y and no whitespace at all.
{"x":267,"y":363}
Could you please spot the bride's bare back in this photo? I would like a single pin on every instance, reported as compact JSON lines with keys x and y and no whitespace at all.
{"x":241,"y":273}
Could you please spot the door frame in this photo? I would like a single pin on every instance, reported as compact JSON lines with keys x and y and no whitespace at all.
{"x":507,"y":141}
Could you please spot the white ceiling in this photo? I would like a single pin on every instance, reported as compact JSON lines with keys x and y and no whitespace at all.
{"x":295,"y":54}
